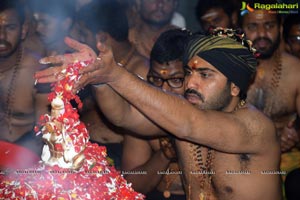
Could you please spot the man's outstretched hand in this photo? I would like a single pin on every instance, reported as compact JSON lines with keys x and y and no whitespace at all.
{"x":98,"y":71}
{"x":103,"y":70}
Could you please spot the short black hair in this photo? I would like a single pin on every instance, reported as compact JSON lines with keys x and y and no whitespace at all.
{"x":169,"y":46}
{"x":16,"y":5}
{"x":56,"y":8}
{"x":108,"y":16}
{"x":204,"y":5}
{"x":291,"y":20}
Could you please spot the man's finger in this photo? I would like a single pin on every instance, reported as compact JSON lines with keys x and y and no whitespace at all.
{"x":52,"y":59}
{"x":84,"y":51}
{"x":47,"y":79}
{"x":293,"y":136}
{"x":82,"y":82}
{"x":91,"y":67}
{"x":75,"y":44}
{"x":51,"y":71}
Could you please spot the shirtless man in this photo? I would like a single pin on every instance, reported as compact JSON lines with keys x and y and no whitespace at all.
{"x":54,"y":20}
{"x":21,"y":105}
{"x":291,"y":34}
{"x":277,"y":71}
{"x":155,"y":18}
{"x":216,"y":13}
{"x":235,"y":152}
{"x":158,"y":155}
{"x":106,"y":21}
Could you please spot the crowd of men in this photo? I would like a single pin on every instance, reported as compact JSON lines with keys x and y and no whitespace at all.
{"x":212,"y":114}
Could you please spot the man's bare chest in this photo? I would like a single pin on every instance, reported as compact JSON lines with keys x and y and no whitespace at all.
{"x":215,"y":178}
{"x":272,"y":93}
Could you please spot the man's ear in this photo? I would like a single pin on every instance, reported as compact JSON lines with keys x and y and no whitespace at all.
{"x":102,"y":37}
{"x":235,"y":90}
{"x":24,"y":30}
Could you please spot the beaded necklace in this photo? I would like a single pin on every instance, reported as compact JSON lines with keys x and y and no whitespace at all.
{"x":10,"y":98}
{"x":274,"y":84}
{"x":277,"y":71}
{"x":205,"y":170}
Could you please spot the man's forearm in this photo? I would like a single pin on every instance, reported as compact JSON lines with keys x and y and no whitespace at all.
{"x":123,"y":114}
{"x":114,"y":107}
{"x":158,"y":106}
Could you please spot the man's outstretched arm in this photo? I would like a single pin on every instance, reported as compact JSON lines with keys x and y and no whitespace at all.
{"x":115,"y":107}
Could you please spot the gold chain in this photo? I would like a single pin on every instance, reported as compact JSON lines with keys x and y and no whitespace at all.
{"x":240,"y":105}
{"x":277,"y":71}
{"x":170,"y":178}
{"x":205,"y":169}
{"x":275,"y":81}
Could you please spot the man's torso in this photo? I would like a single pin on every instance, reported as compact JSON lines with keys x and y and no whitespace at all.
{"x":233,"y":176}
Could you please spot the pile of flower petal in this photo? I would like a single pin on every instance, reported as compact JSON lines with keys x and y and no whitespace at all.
{"x":91,"y":178}
{"x":96,"y":179}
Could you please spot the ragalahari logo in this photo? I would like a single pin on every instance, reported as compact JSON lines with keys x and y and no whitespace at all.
{"x":245,"y":8}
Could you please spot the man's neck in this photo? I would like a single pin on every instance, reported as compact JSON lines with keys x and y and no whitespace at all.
{"x":234,"y":105}
{"x":7,"y":63}
{"x":151,"y":29}
{"x":121,"y":49}
{"x":268,"y":62}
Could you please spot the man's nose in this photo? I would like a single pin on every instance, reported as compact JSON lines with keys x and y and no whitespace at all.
{"x":261,"y":31}
{"x":165,"y":86}
{"x":160,"y":3}
{"x":3,"y":33}
{"x":192,"y":81}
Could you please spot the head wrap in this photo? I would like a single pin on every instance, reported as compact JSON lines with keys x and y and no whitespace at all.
{"x":229,"y":56}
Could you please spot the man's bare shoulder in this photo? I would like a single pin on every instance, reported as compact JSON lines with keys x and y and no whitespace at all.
{"x":138,"y":65}
{"x":258,"y":124}
{"x":291,"y":69}
{"x":30,"y":60}
{"x":290,"y":62}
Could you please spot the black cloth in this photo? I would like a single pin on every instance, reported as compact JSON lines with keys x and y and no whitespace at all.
{"x":227,"y":55}
{"x":292,"y":185}
{"x":30,"y":141}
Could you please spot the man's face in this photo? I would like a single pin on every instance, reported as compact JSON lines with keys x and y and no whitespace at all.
{"x":294,"y":40}
{"x":205,"y":86}
{"x":157,"y":12}
{"x":49,"y":28}
{"x":215,"y":17}
{"x":11,"y":32}
{"x":173,"y":74}
{"x":263,"y":30}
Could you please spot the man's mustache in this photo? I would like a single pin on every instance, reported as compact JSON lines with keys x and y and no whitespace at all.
{"x":5,"y":43}
{"x":194,"y":92}
{"x":262,"y":38}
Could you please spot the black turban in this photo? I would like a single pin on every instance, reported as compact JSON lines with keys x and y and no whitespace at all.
{"x":230,"y":57}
